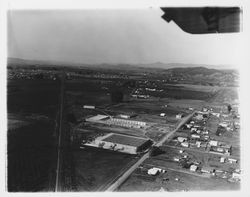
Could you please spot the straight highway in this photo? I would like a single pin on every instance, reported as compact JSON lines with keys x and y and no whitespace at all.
{"x":58,"y":165}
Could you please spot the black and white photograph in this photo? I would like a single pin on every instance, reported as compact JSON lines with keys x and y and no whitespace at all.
{"x":124,"y":99}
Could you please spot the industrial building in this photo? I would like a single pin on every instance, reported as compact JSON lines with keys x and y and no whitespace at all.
{"x":88,"y":106}
{"x":116,"y":121}
{"x":121,"y":143}
{"x":98,"y":118}
{"x":126,"y":116}
{"x":126,"y":123}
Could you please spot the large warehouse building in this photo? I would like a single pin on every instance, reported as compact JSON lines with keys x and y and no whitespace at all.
{"x":117,"y":121}
{"x":126,"y":123}
{"x":121,"y":143}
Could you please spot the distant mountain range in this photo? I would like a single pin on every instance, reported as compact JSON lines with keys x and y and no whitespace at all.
{"x":158,"y":65}
{"x":188,"y":73}
{"x":180,"y":65}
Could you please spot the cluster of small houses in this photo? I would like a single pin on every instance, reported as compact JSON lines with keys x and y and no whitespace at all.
{"x":199,"y":136}
{"x":212,"y":146}
{"x":233,"y":176}
{"x":32,"y":74}
{"x":141,"y":92}
{"x":230,"y":123}
{"x":196,"y":167}
{"x":138,"y":94}
{"x":177,"y":116}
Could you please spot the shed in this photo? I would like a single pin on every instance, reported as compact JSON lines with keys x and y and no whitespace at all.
{"x":185,"y":144}
{"x":181,"y":139}
{"x":88,"y":106}
{"x":179,"y":116}
{"x":198,"y":143}
{"x":155,"y":171}
{"x":195,"y":136}
{"x":207,"y":170}
{"x":231,"y":160}
{"x":193,"y":168}
{"x":222,"y":159}
{"x":236,"y":175}
{"x":162,"y":114}
{"x":213,"y":143}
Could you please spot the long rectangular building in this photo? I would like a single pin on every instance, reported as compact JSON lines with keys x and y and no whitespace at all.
{"x":108,"y":120}
{"x":126,"y":123}
{"x":122,"y":143}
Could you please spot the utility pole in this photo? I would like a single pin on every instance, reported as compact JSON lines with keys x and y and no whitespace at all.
{"x":59,"y":146}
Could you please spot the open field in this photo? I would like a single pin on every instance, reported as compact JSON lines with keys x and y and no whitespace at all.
{"x":31,"y":158}
{"x":95,"y":168}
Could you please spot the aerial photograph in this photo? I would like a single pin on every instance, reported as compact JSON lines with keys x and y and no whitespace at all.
{"x":123,"y":100}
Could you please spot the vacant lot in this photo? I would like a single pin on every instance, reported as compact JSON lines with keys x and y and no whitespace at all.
{"x":31,"y":158}
{"x":94,"y":168}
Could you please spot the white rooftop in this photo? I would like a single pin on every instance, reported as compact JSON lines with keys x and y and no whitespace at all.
{"x":97,"y":117}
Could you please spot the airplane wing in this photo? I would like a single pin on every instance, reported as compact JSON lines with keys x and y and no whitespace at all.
{"x":203,"y":20}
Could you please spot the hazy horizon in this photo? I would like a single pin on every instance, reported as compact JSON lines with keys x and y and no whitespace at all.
{"x":114,"y":37}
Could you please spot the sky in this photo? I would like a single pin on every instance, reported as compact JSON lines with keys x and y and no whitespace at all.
{"x":131,"y":36}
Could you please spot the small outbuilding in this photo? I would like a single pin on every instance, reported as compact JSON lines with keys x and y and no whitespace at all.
{"x":88,"y":107}
{"x":185,"y":144}
{"x":213,"y":143}
{"x":179,"y":116}
{"x":154,"y":171}
{"x":181,"y":139}
{"x":162,"y":114}
{"x":193,"y":168}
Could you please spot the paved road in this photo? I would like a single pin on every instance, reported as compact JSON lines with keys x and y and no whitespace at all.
{"x":58,"y":166}
{"x":126,"y":174}
{"x":183,"y":121}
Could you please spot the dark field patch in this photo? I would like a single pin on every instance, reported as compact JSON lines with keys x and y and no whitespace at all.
{"x":31,"y":148}
{"x":176,"y":92}
{"x":31,"y":158}
{"x":33,"y":96}
{"x":147,"y":107}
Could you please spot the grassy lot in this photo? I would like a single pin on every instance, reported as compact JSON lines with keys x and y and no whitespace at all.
{"x":96,"y":167}
{"x":31,"y":158}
